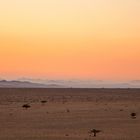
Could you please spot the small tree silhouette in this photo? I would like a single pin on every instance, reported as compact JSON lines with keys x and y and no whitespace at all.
{"x":43,"y":101}
{"x":94,"y":132}
{"x":26,"y":106}
{"x":133,"y":115}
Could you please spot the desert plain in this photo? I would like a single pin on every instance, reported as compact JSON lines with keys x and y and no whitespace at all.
{"x":69,"y":114}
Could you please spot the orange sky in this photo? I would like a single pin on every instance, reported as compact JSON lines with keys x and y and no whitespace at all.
{"x":82,"y":39}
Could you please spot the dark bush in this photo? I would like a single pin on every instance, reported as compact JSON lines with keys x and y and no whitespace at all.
{"x":26,"y":106}
{"x":94,"y":132}
{"x":44,"y":101}
{"x":133,"y":115}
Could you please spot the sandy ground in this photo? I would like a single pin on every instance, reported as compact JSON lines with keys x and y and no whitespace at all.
{"x":69,"y":114}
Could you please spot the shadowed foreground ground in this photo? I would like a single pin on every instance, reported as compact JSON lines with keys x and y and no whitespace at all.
{"x":69,"y":114}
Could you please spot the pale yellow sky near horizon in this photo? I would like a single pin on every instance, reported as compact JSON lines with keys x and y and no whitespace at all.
{"x":70,"y":39}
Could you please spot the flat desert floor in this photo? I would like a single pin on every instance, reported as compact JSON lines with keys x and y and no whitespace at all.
{"x":69,"y":114}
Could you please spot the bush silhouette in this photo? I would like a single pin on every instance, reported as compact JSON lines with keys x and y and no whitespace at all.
{"x":26,"y":106}
{"x":43,"y":101}
{"x":133,"y":115}
{"x":94,"y":132}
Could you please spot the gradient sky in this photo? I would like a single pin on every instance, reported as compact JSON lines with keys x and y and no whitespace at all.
{"x":80,"y":39}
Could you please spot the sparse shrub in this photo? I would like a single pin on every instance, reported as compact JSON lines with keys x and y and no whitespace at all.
{"x":43,"y":101}
{"x":133,"y":115}
{"x":94,"y":132}
{"x":26,"y":106}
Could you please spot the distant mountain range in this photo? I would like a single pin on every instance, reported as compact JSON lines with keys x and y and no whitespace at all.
{"x":39,"y":83}
{"x":87,"y":83}
{"x":25,"y":84}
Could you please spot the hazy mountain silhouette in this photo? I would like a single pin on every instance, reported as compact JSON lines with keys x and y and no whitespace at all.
{"x":86,"y":83}
{"x":25,"y":84}
{"x":38,"y":83}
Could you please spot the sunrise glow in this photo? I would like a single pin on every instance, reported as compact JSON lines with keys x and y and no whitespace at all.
{"x":82,"y":39}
